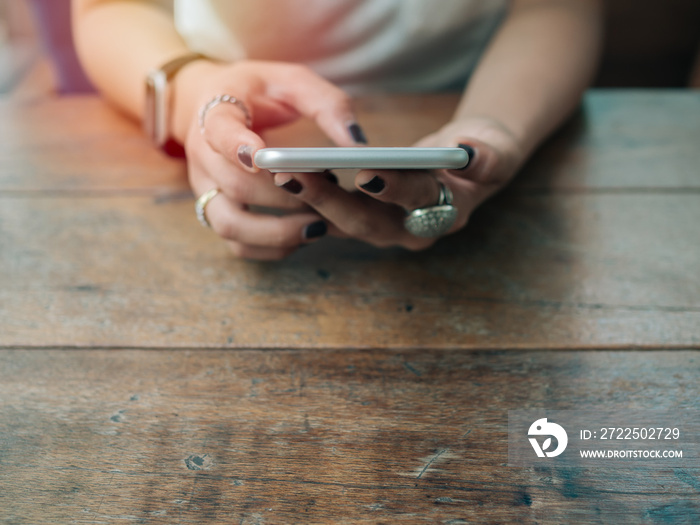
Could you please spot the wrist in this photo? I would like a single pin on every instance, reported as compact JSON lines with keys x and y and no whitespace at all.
{"x":495,"y":133}
{"x":157,"y":117}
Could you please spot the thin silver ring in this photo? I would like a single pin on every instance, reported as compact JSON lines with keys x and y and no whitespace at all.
{"x":433,"y":221}
{"x":220,"y":99}
{"x":201,"y":204}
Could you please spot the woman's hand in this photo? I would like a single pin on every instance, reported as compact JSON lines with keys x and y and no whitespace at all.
{"x":220,"y":152}
{"x":375,"y":214}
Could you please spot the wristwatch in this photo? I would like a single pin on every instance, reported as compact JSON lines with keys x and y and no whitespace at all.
{"x":156,"y":121}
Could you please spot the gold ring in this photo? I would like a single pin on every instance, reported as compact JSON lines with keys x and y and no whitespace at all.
{"x":201,"y":204}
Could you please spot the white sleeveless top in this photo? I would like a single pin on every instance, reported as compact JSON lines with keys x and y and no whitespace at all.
{"x":361,"y":45}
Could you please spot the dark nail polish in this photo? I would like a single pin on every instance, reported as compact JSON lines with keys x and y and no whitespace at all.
{"x":375,"y":185}
{"x":315,"y":230}
{"x":470,"y":151}
{"x":357,"y":134}
{"x":245,"y":155}
{"x":292,"y":186}
{"x":331,"y":177}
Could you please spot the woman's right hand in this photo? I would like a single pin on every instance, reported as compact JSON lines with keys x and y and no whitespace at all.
{"x":219,"y":154}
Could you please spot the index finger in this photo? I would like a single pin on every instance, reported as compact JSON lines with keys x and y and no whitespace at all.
{"x":319,"y":100}
{"x":225,"y":127}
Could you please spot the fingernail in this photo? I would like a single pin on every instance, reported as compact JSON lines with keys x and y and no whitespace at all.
{"x":293,"y":186}
{"x":356,"y":133}
{"x":245,"y":155}
{"x":330,"y":176}
{"x":315,"y":230}
{"x":470,"y":151}
{"x":375,"y":185}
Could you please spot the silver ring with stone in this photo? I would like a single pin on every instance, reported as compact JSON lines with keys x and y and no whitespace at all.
{"x":433,"y":221}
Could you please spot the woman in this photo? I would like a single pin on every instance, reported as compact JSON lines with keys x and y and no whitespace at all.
{"x":266,"y":62}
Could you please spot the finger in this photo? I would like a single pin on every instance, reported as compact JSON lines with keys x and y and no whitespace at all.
{"x":416,"y":189}
{"x":319,"y":100}
{"x":352,"y":214}
{"x":239,"y":186}
{"x":236,"y":223}
{"x":270,"y":113}
{"x":483,"y":176}
{"x":410,"y":189}
{"x":483,"y":163}
{"x":224,"y":129}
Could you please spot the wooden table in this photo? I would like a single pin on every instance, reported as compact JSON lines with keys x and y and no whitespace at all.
{"x":146,"y":376}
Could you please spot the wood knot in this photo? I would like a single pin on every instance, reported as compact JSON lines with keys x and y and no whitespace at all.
{"x":199,"y":462}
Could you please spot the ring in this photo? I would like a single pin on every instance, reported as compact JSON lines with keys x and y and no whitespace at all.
{"x":201,"y":204}
{"x":218,"y":100}
{"x":433,"y":221}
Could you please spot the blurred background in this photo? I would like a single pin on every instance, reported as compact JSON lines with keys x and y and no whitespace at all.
{"x":649,"y":43}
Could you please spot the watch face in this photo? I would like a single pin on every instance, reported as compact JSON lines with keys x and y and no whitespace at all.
{"x":156,"y":118}
{"x":149,"y":109}
{"x":155,"y":113}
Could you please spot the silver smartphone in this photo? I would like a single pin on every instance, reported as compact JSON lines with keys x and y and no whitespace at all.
{"x":321,"y":159}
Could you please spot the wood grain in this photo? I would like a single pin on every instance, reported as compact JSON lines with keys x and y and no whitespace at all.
{"x":146,"y":376}
{"x":134,"y":436}
{"x":590,"y":247}
{"x":627,"y":140}
{"x":79,"y":144}
{"x":533,"y":271}
{"x":619,"y":139}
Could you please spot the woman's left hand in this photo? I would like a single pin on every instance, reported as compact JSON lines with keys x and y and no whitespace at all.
{"x":375,"y":214}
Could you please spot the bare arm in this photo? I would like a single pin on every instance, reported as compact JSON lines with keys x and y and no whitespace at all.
{"x":529,"y":80}
{"x":531,"y":77}
{"x":119,"y":42}
{"x":536,"y":69}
